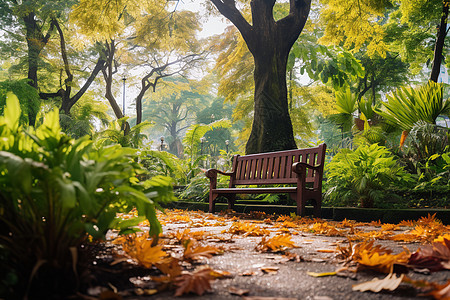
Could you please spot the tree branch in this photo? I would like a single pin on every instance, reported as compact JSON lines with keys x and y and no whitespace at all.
{"x":229,"y":10}
{"x":292,"y":25}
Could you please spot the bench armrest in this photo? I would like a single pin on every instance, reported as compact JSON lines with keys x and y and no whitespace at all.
{"x":212,"y":173}
{"x":300,"y":168}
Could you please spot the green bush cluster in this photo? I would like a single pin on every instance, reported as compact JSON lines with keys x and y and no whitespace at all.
{"x":362,"y":176}
{"x":56,"y":193}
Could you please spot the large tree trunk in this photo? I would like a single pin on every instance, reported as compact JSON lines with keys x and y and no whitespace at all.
{"x":270,"y":42}
{"x":272,"y":127}
{"x":442,"y":33}
{"x":36,"y":41}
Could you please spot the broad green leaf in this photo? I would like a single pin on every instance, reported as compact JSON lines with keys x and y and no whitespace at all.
{"x":12,"y":111}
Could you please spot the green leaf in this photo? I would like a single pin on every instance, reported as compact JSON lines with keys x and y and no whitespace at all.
{"x":12,"y":111}
{"x":68,"y":194}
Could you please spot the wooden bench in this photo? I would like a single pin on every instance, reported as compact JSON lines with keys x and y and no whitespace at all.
{"x":298,"y":168}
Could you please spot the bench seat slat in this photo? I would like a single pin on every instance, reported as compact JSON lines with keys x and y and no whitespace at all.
{"x":266,"y":190}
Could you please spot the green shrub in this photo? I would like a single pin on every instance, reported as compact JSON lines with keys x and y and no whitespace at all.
{"x":55,"y":193}
{"x":362,"y":177}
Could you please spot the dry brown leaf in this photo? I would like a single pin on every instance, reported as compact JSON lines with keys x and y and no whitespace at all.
{"x":434,"y":257}
{"x":270,"y":270}
{"x":326,"y":250}
{"x":197,"y":283}
{"x":293,"y":257}
{"x":248,"y":273}
{"x":237,"y":291}
{"x":390,"y":282}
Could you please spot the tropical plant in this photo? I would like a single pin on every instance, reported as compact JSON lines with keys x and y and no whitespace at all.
{"x":362,"y":177}
{"x":193,"y":145}
{"x":163,"y":163}
{"x":346,"y":105}
{"x":197,"y":188}
{"x":408,"y":105}
{"x":82,"y":118}
{"x":56,"y":193}
{"x":116,"y":135}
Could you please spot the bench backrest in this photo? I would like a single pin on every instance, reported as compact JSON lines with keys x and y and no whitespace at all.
{"x":276,"y":167}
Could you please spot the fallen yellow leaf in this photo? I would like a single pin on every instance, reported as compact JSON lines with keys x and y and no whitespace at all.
{"x":314,"y":274}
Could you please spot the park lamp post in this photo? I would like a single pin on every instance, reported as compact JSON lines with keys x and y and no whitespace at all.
{"x":162,"y":143}
{"x":123,"y":107}
{"x":227,"y":142}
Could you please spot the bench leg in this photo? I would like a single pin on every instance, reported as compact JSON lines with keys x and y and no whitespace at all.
{"x":318,"y":206}
{"x":212,"y":202}
{"x":297,"y":197}
{"x":231,"y":199}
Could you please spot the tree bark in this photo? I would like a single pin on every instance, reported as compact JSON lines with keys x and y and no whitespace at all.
{"x":69,"y":102}
{"x":36,"y":41}
{"x":442,"y":33}
{"x":270,"y":42}
{"x":108,"y":72}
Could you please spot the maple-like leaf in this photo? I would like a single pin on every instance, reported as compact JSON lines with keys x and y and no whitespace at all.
{"x":194,"y":251}
{"x":247,"y":229}
{"x":171,"y":269}
{"x":197,"y":282}
{"x":140,"y":249}
{"x":326,"y":229}
{"x":434,"y":257}
{"x":376,"y":257}
{"x":390,"y":283}
{"x":277,"y":243}
{"x":187,"y":234}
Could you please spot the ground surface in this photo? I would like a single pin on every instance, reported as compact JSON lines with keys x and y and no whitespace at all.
{"x":308,"y":246}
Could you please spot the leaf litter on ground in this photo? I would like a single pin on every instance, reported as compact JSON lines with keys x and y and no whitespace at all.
{"x":195,"y":246}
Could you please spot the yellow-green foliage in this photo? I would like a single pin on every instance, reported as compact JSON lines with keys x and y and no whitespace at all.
{"x":355,"y":23}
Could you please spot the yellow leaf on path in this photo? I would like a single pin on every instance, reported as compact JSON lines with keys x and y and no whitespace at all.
{"x":140,"y":248}
{"x":314,"y":274}
{"x":194,"y":251}
{"x":441,"y":238}
{"x":326,"y":250}
{"x":247,"y":229}
{"x":390,"y":283}
{"x":277,"y":243}
{"x":170,"y":267}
